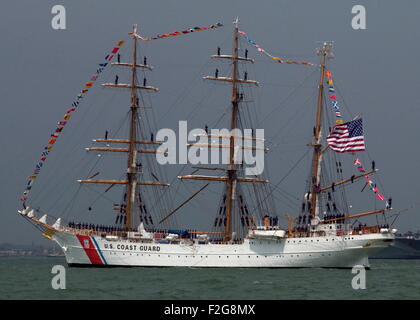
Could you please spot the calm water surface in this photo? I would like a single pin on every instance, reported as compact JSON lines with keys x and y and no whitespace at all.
{"x":30,"y":278}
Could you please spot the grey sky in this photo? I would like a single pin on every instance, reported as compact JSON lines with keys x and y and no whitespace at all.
{"x":376,"y":71}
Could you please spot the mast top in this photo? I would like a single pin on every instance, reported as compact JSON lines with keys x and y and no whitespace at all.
{"x":236,"y":22}
{"x":134,"y":29}
{"x":326,"y":49}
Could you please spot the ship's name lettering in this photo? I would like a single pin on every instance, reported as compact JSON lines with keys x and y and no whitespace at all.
{"x":132,"y":247}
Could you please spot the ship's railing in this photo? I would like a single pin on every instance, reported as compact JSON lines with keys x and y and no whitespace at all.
{"x":365,"y":229}
{"x":156,"y":236}
{"x":91,"y":232}
{"x":238,"y":241}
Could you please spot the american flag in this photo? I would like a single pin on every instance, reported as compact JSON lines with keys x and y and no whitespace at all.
{"x":347,"y":137}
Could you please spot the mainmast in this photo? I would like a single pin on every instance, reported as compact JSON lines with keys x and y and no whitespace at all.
{"x":316,"y":143}
{"x":231,"y":171}
{"x":231,"y":178}
{"x":132,"y":142}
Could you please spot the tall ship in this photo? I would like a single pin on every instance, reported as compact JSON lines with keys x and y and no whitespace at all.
{"x":246,"y":231}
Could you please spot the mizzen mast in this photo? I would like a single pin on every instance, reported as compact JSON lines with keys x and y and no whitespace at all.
{"x":316,"y":143}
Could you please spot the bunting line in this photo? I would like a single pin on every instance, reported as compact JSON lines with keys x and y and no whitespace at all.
{"x":333,"y":97}
{"x":177,"y":33}
{"x":338,"y":121}
{"x":279,"y":60}
{"x":62,"y":123}
{"x":369,"y":182}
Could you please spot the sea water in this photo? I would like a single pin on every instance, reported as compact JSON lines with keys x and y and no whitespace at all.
{"x":31,"y":278}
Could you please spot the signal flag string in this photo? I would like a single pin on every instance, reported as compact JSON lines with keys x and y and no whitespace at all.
{"x":62,"y":123}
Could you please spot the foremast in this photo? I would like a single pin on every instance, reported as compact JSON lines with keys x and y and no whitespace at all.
{"x":132,"y":152}
{"x":133,"y":161}
{"x":316,"y":143}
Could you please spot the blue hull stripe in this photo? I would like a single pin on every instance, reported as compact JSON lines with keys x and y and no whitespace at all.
{"x":99,"y":250}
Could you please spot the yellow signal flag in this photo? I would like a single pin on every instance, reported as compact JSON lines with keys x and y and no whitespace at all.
{"x":48,"y":233}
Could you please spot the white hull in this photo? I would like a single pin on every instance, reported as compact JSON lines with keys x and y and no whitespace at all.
{"x":316,"y":252}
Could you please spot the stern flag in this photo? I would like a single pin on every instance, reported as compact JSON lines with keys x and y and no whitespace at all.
{"x":347,"y":137}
